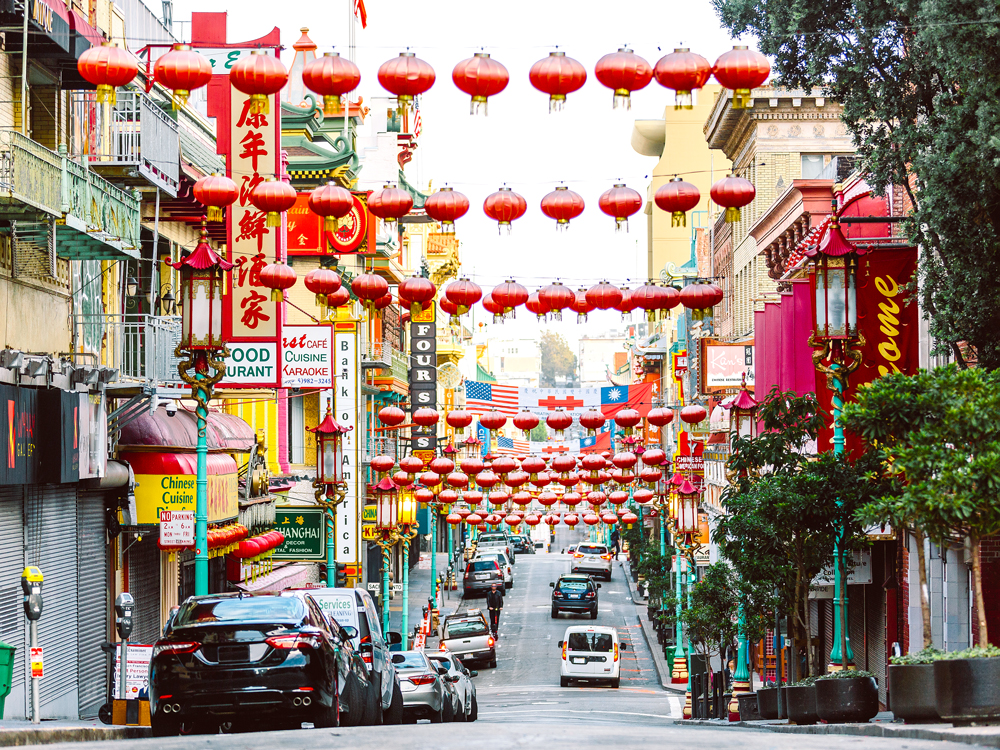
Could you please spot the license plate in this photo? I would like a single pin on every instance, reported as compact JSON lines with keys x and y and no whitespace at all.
{"x":574,"y":596}
{"x":482,"y":576}
{"x":579,"y":660}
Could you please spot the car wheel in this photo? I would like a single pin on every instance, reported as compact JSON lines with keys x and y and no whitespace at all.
{"x":564,"y":682}
{"x":164,"y":726}
{"x":616,"y":682}
{"x":448,"y":711}
{"x":555,"y":612}
{"x":395,"y":713}
{"x":593,"y":613}
{"x":473,"y":710}
{"x":438,"y":717}
{"x":493,"y":662}
{"x":373,"y":705}
{"x":509,"y":585}
{"x":352,"y":697}
{"x":608,"y":578}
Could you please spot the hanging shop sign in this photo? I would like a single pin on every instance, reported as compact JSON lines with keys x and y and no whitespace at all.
{"x":168,"y":482}
{"x":251,"y":365}
{"x":306,"y":357}
{"x":304,"y":530}
{"x":176,"y":528}
{"x":423,"y":375}
{"x":355,"y":233}
{"x":347,"y":400}
{"x":724,"y":366}
{"x":22,"y":454}
{"x":222,"y":60}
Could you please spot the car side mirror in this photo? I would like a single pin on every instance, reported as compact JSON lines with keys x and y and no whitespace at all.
{"x":349,"y":630}
{"x":623,"y":646}
{"x":394,"y":638}
{"x":455,"y":678}
{"x":598,"y":585}
{"x":442,"y":671}
{"x":552,"y":584}
{"x":561,"y":643}
{"x":473,"y":673}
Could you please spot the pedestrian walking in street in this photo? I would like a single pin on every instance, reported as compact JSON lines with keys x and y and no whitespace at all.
{"x":616,"y":541}
{"x":494,"y":602}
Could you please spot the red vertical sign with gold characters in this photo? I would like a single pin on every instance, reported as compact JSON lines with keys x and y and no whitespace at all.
{"x":254,"y":156}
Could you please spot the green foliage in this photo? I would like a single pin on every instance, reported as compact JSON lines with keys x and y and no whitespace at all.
{"x":805,"y":682}
{"x":926,"y":655}
{"x":976,"y":652}
{"x":539,"y":433}
{"x":711,"y":615}
{"x":845,"y":674}
{"x":921,"y":94}
{"x":558,"y":361}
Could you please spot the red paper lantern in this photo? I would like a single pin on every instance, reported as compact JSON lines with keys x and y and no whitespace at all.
{"x":526,"y":421}
{"x":627,"y":304}
{"x":531,"y":464}
{"x":593,"y":420}
{"x":557,"y":76}
{"x":620,"y":202}
{"x":732,"y":193}
{"x":446,"y":205}
{"x":369,"y":287}
{"x":562,"y":204}
{"x":182,"y":70}
{"x":535,"y":305}
{"x":216,"y":192}
{"x":492,"y":306}
{"x":493,"y":420}
{"x":618,"y":497}
{"x":677,"y":196}
{"x":474,"y":519}
{"x":480,"y":77}
{"x":649,"y":297}
{"x":653,"y":456}
{"x":591,"y":519}
{"x":382,"y":464}
{"x":563,"y":463}
{"x":623,"y":72}
{"x":504,"y":465}
{"x":581,"y":306}
{"x":425,"y":417}
{"x":447,"y":306}
{"x":458,"y":420}
{"x":442,"y":465}
{"x":107,"y":67}
{"x":457,"y":479}
{"x":624,"y":460}
{"x":741,"y":70}
{"x":390,"y":203}
{"x":557,"y":297}
{"x":402,"y":478}
{"x":332,"y":202}
{"x":699,"y":296}
{"x":603,"y":295}
{"x":683,"y":71}
{"x":504,"y":206}
{"x":322,"y":282}
{"x":454,"y":519}
{"x":391,"y":416}
{"x":273,"y":197}
{"x":571,"y":520}
{"x":642,"y":496}
{"x":339,"y":298}
{"x":416,"y":291}
{"x":406,"y":76}
{"x":277,"y":277}
{"x":651,"y":475}
{"x":260,"y":75}
{"x":693,"y":414}
{"x":559,"y":421}
{"x":627,"y":418}
{"x":331,"y":76}
{"x":487,"y":479}
{"x":509,"y":295}
{"x":660,"y":417}
{"x":463,"y":294}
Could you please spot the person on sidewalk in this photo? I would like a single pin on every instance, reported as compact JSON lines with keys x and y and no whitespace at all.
{"x":494,"y":602}
{"x":616,"y":542}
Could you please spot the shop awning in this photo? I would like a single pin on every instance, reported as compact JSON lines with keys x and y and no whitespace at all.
{"x":179,"y":434}
{"x":176,"y":464}
{"x":279,"y":579}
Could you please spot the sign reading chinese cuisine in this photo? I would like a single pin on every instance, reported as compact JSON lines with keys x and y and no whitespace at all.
{"x":305,"y":533}
{"x":254,"y":157}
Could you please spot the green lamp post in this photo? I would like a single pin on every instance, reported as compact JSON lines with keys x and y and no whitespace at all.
{"x":386,"y":520}
{"x":329,"y":485}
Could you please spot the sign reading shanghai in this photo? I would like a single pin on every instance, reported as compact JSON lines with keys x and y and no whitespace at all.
{"x":305,"y":533}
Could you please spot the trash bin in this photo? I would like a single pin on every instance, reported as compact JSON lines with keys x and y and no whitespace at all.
{"x":6,"y":672}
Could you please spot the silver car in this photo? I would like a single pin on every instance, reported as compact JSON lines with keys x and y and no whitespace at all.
{"x":495,"y":553}
{"x":464,"y":686}
{"x":495,"y":539}
{"x":593,"y":559}
{"x":468,"y":636}
{"x":424,"y":693}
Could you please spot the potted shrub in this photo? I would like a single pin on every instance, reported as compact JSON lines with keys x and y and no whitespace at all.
{"x":912,"y":689}
{"x":967,"y":686}
{"x":767,"y":702}
{"x":748,"y":707}
{"x":846,"y":697}
{"x":801,"y":697}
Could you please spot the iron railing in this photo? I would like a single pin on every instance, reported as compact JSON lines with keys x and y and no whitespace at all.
{"x":30,"y":175}
{"x":400,"y":366}
{"x":105,"y":209}
{"x":140,"y":347}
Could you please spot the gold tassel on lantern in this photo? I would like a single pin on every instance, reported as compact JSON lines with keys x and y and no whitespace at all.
{"x":216,"y":213}
{"x":331,"y":224}
{"x":415,"y":309}
{"x":651,"y":316}
{"x":106,"y":93}
{"x":273,"y":219}
{"x":180,"y":98}
{"x":259,"y":104}
{"x":277,"y":296}
{"x":740,"y":98}
{"x":678,"y":219}
{"x":331,"y":105}
{"x":732,"y":215}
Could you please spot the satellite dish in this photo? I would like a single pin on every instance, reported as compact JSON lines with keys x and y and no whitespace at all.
{"x":449,"y":375}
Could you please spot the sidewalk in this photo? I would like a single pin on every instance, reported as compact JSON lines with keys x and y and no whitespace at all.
{"x":663,"y":669}
{"x":882,"y":726}
{"x":420,"y":592}
{"x":15,"y":733}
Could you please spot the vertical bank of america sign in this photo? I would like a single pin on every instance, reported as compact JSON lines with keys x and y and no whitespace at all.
{"x":423,"y":375}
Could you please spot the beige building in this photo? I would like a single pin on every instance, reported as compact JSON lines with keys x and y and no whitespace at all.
{"x":601,"y":357}
{"x":514,"y":361}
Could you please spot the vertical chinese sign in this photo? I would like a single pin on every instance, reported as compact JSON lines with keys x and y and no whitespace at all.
{"x":254,"y":157}
{"x":347,"y":398}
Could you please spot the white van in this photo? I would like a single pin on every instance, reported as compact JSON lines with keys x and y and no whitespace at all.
{"x":592,"y":654}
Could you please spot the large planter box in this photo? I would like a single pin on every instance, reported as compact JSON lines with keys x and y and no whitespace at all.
{"x":748,"y":707}
{"x":913,"y":693}
{"x":967,"y":691}
{"x":802,"y":704}
{"x":847,"y":700}
{"x":767,"y":703}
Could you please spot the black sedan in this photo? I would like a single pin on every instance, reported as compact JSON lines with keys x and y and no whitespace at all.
{"x":245,"y":662}
{"x":575,"y":593}
{"x":523,"y":545}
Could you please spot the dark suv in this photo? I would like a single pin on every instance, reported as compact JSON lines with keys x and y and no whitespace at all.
{"x":480,"y":575}
{"x":523,"y":544}
{"x":574,"y":593}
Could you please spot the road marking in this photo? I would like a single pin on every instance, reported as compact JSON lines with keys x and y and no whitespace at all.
{"x":571,"y":711}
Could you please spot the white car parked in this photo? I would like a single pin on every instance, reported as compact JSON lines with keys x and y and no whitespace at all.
{"x":591,"y":654}
{"x":493,"y":553}
{"x":464,"y":685}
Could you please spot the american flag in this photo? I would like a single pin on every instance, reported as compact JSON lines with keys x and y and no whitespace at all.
{"x":483,"y":397}
{"x":512,"y":446}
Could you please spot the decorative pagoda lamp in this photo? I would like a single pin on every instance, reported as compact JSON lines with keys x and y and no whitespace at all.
{"x":471,"y":447}
{"x":329,"y":483}
{"x":837,"y":354}
{"x":201,"y":348}
{"x":386,"y":520}
{"x":408,"y":529}
{"x":686,"y":541}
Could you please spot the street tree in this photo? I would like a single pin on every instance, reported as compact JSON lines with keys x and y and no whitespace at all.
{"x":711,"y":616}
{"x":920,"y":86}
{"x":558,"y":361}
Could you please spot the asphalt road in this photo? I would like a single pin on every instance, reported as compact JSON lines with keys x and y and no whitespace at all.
{"x":522,"y":706}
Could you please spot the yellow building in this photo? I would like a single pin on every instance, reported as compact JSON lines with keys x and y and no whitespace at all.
{"x":678,"y":141}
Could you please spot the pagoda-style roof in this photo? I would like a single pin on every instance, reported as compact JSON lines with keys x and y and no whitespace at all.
{"x":316,"y":147}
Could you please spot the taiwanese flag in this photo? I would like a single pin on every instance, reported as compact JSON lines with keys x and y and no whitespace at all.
{"x":597,"y":444}
{"x":618,"y":397}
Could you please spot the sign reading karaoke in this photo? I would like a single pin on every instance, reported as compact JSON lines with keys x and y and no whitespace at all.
{"x":423,"y":375}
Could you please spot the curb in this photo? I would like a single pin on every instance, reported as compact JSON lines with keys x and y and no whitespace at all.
{"x":17,"y":737}
{"x":984,"y":736}
{"x":651,"y":645}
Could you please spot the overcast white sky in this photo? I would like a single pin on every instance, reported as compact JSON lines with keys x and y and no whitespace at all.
{"x":519,"y":143}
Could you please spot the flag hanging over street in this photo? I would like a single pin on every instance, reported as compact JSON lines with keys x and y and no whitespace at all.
{"x":483,"y":397}
{"x":618,"y":397}
{"x":361,"y":12}
{"x":544,"y":401}
{"x":513,"y":446}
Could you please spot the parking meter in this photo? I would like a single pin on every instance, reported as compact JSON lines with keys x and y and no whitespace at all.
{"x":124,"y":606}
{"x":31,"y":584}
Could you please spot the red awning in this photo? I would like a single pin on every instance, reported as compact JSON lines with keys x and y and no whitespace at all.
{"x":179,"y":433}
{"x":175,"y":464}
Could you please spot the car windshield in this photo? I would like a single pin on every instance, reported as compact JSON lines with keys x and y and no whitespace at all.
{"x":592,"y":549}
{"x":498,"y":556}
{"x":409,"y":660}
{"x":573,"y":585}
{"x":464,"y":629}
{"x":599,"y":642}
{"x":484,"y":538}
{"x":481,"y":565}
{"x":441,"y":660}
{"x":252,"y":608}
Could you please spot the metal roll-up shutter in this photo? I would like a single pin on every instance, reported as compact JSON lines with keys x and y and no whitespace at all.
{"x":144,"y":585}
{"x":11,"y":612}
{"x":93,"y":600}
{"x":50,"y":515}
